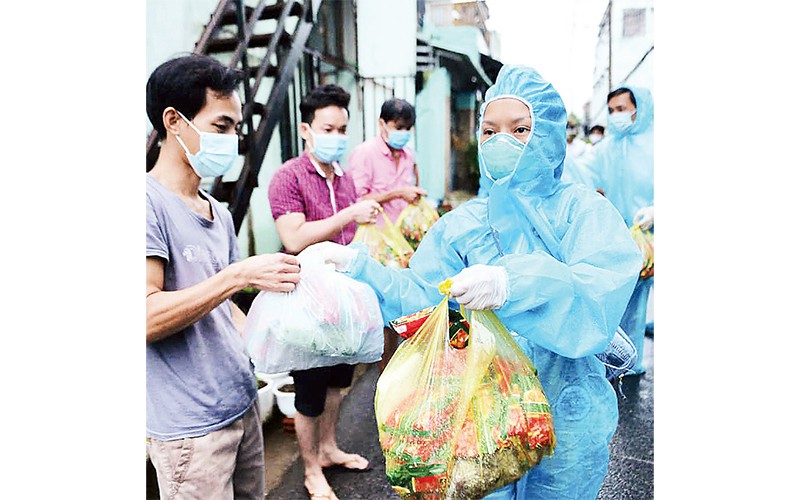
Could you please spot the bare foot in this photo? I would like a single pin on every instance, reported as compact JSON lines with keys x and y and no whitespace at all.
{"x":318,"y":487}
{"x":350,"y":461}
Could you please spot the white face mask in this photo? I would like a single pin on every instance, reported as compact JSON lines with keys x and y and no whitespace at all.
{"x":594,"y":138}
{"x":620,"y":121}
{"x":217,"y":152}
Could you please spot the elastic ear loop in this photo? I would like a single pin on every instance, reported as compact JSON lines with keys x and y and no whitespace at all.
{"x":189,"y":122}
{"x":180,"y":141}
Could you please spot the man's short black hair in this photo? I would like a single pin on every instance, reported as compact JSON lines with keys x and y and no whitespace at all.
{"x":182,"y":82}
{"x":322,"y":97}
{"x":399,"y":111}
{"x":599,"y":128}
{"x":620,"y":91}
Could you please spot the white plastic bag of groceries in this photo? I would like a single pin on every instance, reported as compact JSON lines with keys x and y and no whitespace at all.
{"x":327,"y":320}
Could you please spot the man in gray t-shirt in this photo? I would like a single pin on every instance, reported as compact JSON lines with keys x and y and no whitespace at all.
{"x":203,"y":428}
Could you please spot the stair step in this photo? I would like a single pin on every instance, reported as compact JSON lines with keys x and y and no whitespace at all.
{"x":269,"y":12}
{"x":229,"y":44}
{"x":272,"y":71}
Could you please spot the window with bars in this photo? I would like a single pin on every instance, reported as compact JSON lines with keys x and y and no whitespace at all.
{"x":633,"y":22}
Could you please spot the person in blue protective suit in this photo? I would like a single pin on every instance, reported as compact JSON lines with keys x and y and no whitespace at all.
{"x":554,"y":260}
{"x":621,"y":166}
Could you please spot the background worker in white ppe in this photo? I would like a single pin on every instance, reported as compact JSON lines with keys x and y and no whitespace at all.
{"x":576,"y":146}
{"x":596,"y":134}
{"x":554,"y":260}
{"x":621,"y":166}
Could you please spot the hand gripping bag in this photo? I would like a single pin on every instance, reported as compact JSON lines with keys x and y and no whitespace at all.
{"x":460,"y":423}
{"x":328,"y":319}
{"x":415,"y":220}
{"x":386,"y":244}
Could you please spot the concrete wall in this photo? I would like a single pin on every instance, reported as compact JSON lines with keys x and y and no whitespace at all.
{"x":387,"y":55}
{"x":433,"y":134}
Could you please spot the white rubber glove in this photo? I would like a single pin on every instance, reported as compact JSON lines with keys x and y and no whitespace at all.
{"x":644,"y":218}
{"x":480,"y":287}
{"x":333,"y":253}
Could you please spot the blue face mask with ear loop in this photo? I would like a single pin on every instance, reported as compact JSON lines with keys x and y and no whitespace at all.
{"x":398,"y":138}
{"x":328,"y":148}
{"x":217,"y":152}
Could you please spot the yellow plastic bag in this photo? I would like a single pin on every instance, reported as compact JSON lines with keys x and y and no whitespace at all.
{"x":460,"y":423}
{"x":644,"y":240}
{"x":415,"y":220}
{"x":385,"y":244}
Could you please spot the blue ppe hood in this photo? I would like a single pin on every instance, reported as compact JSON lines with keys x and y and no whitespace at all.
{"x":644,"y":111}
{"x":540,"y":166}
{"x":514,"y":201}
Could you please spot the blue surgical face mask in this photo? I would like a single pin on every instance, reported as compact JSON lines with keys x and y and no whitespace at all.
{"x":398,"y":138}
{"x":328,"y":148}
{"x":620,"y":121}
{"x":217,"y":152}
{"x":500,"y":154}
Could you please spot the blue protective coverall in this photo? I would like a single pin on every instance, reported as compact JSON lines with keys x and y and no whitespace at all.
{"x":572,"y":266}
{"x":622,"y":164}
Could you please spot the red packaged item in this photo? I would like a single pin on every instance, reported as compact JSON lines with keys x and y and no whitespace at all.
{"x":406,"y":326}
{"x":458,"y":327}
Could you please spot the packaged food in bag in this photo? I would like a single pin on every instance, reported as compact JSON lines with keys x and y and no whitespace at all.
{"x":458,"y":327}
{"x":460,"y":423}
{"x":644,"y":240}
{"x":385,"y":243}
{"x":328,"y":319}
{"x":415,"y":220}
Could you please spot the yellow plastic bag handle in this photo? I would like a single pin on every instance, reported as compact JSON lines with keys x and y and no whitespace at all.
{"x":385,"y":217}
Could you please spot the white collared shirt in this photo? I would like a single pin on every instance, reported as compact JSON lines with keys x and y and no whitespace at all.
{"x":337,"y":170}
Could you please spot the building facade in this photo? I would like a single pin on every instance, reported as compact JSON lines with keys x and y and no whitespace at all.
{"x":372,"y":51}
{"x":624,"y":53}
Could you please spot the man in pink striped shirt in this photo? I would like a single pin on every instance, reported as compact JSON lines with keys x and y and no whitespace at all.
{"x":313,"y":200}
{"x":383,"y":168}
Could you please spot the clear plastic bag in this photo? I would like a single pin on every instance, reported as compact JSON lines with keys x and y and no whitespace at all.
{"x":460,"y":423}
{"x":415,"y":220}
{"x":328,"y":319}
{"x":386,"y":244}
{"x":619,"y":356}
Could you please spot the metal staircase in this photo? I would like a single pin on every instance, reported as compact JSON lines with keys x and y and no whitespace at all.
{"x":236,"y":35}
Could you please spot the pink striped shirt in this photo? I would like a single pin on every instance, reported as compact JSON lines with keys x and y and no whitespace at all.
{"x":374,"y":171}
{"x":298,"y":187}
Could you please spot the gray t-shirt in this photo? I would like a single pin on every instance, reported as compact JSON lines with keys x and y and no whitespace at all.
{"x":199,"y":379}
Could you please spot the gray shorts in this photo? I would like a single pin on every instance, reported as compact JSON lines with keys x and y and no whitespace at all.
{"x":224,"y":464}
